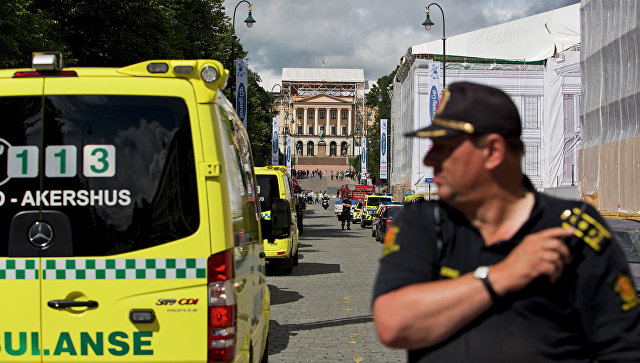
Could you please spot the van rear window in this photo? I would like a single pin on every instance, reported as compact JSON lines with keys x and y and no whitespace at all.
{"x":120,"y":168}
{"x":375,"y":201}
{"x":267,"y":190}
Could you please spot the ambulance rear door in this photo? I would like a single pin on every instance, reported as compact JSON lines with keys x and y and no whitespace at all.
{"x":125,"y":274}
{"x":20,"y":121}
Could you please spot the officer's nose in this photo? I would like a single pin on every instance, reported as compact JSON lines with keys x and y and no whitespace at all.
{"x":430,"y":158}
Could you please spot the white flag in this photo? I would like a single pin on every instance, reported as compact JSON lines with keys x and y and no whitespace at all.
{"x":274,"y":141}
{"x":383,"y":148}
{"x":288,"y":153}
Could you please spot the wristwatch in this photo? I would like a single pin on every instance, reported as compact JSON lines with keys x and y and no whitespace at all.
{"x":482,"y":273}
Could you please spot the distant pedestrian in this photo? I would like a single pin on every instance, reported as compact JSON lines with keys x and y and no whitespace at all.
{"x":345,"y":216}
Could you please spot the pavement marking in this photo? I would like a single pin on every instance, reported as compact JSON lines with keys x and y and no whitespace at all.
{"x":358,"y":360}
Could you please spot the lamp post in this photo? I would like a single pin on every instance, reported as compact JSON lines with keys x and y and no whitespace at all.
{"x":249,"y":21}
{"x":427,"y":25}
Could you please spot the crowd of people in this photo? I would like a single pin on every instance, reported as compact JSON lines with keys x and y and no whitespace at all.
{"x":333,"y":174}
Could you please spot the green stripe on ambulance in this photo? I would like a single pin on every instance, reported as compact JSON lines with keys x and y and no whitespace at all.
{"x":105,"y":269}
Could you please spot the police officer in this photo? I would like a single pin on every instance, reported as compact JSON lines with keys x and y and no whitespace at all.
{"x":495,"y":271}
{"x":346,"y":212}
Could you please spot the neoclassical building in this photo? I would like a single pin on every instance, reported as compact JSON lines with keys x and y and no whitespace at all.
{"x":324,"y":111}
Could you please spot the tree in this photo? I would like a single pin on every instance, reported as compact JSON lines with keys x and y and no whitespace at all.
{"x":373,"y":133}
{"x":116,"y":33}
{"x":25,"y":28}
{"x":259,"y":104}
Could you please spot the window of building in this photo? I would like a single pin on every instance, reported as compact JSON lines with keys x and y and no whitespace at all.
{"x":344,"y":115}
{"x":321,"y":114}
{"x":334,"y":115}
{"x":333,"y":130}
{"x":531,"y":159}
{"x":299,"y":129}
{"x":310,"y":148}
{"x":531,"y":112}
{"x":300,"y":114}
{"x":310,"y":115}
{"x":344,"y":130}
{"x":310,"y":130}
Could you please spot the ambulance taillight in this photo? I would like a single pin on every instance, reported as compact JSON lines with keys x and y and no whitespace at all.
{"x":222,"y":307}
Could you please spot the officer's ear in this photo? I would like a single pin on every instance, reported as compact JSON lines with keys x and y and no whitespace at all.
{"x":494,"y":149}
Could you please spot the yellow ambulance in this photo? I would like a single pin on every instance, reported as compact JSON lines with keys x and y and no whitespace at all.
{"x":131,"y":226}
{"x":275,"y":183}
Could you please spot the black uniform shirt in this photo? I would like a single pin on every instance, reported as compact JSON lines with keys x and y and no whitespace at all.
{"x":590,"y":313}
{"x":346,"y":209}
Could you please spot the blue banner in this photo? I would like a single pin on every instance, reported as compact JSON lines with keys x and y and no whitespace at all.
{"x":274,"y":141}
{"x":241,"y":90}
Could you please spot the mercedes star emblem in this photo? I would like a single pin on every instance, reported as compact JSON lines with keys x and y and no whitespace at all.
{"x":40,"y":234}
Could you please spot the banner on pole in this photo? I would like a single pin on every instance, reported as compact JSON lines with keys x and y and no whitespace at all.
{"x":383,"y":148}
{"x":363,"y":158}
{"x":274,"y":141}
{"x":422,"y":175}
{"x":288,"y":153}
{"x":241,"y":90}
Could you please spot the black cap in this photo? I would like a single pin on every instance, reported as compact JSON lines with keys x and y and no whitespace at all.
{"x":473,"y":109}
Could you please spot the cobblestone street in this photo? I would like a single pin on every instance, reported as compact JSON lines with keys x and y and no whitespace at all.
{"x":321,"y":312}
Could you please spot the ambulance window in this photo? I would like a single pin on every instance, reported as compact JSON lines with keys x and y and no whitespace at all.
{"x":287,"y":186}
{"x":20,"y":118}
{"x":267,"y":190}
{"x":121,"y":168}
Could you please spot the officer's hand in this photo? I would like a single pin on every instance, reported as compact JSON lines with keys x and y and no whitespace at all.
{"x":541,"y":253}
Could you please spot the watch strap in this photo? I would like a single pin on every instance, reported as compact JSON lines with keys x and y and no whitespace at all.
{"x":494,"y":297}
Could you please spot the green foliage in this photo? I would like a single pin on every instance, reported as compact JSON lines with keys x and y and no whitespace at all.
{"x":373,"y":133}
{"x":259,"y":120}
{"x":25,"y":28}
{"x":116,"y":33}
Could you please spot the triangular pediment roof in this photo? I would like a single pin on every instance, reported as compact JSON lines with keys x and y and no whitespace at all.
{"x":322,"y":99}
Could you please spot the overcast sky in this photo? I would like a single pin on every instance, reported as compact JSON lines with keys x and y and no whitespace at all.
{"x":368,"y":34}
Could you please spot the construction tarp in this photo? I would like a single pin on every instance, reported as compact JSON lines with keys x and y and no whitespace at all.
{"x":529,"y":39}
{"x":610,"y":110}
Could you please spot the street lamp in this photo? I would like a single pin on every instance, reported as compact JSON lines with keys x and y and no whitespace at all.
{"x":249,"y":21}
{"x":427,"y":25}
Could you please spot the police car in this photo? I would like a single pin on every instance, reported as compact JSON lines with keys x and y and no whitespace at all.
{"x":371,"y":203}
{"x":128,"y":205}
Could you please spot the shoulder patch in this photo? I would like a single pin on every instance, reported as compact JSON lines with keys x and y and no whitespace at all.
{"x":390,"y":245}
{"x":449,"y":272}
{"x":586,"y":227}
{"x":624,"y":288}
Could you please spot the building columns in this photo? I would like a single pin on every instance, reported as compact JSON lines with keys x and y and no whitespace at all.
{"x":327,"y":118}
{"x":315,"y":120}
{"x":305,"y":130}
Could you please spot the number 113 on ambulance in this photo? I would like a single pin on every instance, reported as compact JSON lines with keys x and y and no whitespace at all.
{"x":61,"y":161}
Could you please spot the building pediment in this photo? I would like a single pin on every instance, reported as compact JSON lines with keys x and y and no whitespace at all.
{"x":323,"y":99}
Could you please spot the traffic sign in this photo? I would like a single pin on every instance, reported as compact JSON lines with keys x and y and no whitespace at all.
{"x":428,"y":180}
{"x":378,"y":182}
{"x":367,"y":175}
